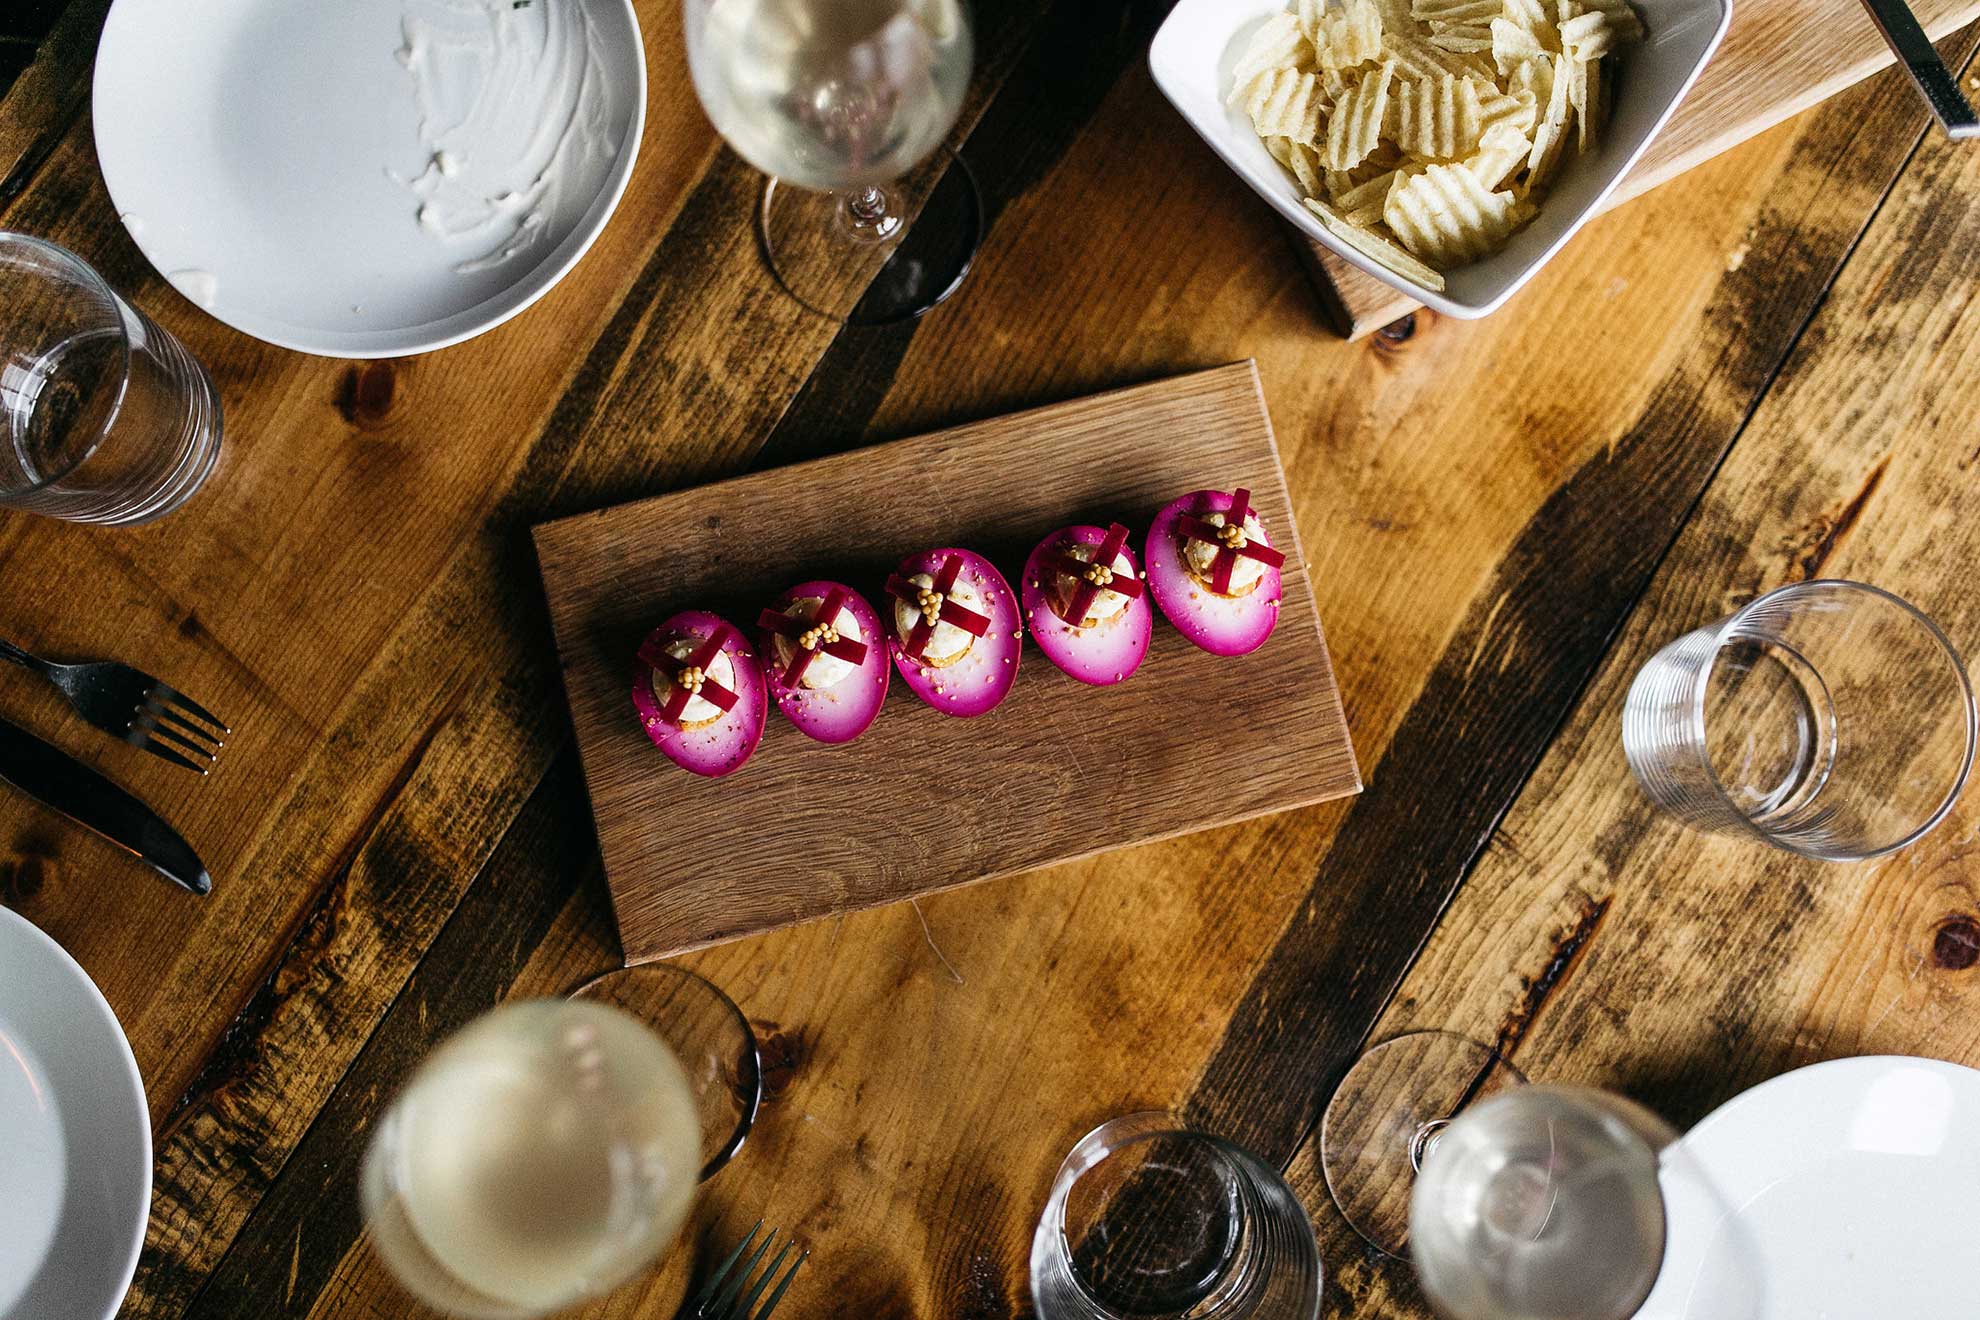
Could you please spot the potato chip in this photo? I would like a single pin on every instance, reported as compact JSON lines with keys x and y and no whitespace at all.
{"x":1514,"y":46}
{"x":1304,"y":162}
{"x":1501,"y":150}
{"x":1354,"y":36}
{"x":1277,"y":44}
{"x":1437,"y":118}
{"x":1312,"y":17}
{"x":1529,"y":14}
{"x":1354,"y":128}
{"x":1288,"y":104}
{"x":1459,"y":13}
{"x":1535,"y":78}
{"x":1416,"y":58}
{"x":1446,"y":215}
{"x":1551,"y":134}
{"x":1373,"y":192}
{"x":1585,"y":36}
{"x":1593,"y":108}
{"x":1622,"y":16}
{"x":1377,"y":248}
{"x":1460,"y":38}
{"x":1520,"y":109}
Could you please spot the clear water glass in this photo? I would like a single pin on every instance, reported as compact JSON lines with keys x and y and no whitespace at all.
{"x":1150,"y":1221}
{"x":1557,"y":1203}
{"x":1827,"y":718}
{"x":107,"y":419}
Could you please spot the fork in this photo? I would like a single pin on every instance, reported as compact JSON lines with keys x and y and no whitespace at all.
{"x":129,"y":704}
{"x":715,"y":1302}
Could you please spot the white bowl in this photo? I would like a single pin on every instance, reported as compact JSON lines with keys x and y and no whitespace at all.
{"x":1192,"y":58}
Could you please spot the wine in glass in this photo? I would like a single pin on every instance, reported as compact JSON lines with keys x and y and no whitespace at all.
{"x":550,"y":1150}
{"x":845,"y":104}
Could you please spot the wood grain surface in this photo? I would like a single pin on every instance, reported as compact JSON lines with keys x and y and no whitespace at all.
{"x":1779,"y":58}
{"x":923,"y":801}
{"x":399,"y":832}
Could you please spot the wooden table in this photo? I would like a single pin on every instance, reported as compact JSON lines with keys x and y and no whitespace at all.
{"x":1764,"y":371}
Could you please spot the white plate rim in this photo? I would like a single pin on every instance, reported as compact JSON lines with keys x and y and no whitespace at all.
{"x":512,"y":301}
{"x":14,"y":924}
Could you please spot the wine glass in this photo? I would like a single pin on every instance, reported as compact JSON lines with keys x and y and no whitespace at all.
{"x":845,"y":104}
{"x":1527,"y":1202}
{"x":550,"y":1150}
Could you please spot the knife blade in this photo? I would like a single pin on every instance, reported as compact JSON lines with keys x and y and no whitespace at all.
{"x":56,"y":779}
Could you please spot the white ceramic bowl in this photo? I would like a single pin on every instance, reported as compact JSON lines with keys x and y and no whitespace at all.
{"x":1192,"y":58}
{"x":258,"y":153}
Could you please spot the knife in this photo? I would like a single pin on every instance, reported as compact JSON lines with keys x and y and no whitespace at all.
{"x":1915,"y":51}
{"x":58,"y":780}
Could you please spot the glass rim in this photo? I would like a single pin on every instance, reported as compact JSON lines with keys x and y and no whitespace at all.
{"x":91,"y":277}
{"x":1722,"y":632}
{"x":752,"y":1101}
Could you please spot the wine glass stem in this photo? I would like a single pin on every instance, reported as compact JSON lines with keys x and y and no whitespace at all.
{"x":869,"y":215}
{"x":1424,"y":1141}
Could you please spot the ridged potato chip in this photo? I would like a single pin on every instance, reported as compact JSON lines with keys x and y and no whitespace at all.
{"x":1585,"y":36}
{"x":1447,"y":216}
{"x":1551,"y":135}
{"x":1354,"y":36}
{"x":1437,"y":118}
{"x":1354,"y":127}
{"x":1417,"y":58}
{"x":1376,"y":248}
{"x":1514,"y":46}
{"x":1288,"y":104}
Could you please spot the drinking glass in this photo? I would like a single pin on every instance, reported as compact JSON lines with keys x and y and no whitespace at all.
{"x":1519,"y":1202}
{"x":1150,"y":1221}
{"x":550,"y":1150}
{"x":1827,"y":718}
{"x":845,"y":105}
{"x":106,"y":418}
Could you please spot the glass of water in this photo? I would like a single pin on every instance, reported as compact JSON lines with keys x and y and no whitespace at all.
{"x":107,"y":419}
{"x":550,"y":1150}
{"x":1828,"y":718}
{"x":845,"y":105}
{"x":1152,"y":1221}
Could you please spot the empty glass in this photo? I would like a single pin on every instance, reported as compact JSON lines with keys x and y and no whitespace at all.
{"x":1828,"y":718}
{"x":1518,"y":1202}
{"x":1151,"y":1221}
{"x":106,"y":418}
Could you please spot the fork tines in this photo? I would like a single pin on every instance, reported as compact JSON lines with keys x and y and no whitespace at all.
{"x":178,"y":729}
{"x":735,"y":1301}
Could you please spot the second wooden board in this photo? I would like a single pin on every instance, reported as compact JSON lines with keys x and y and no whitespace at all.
{"x":924,"y":801}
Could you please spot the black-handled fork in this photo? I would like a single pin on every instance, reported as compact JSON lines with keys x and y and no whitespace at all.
{"x":737,"y":1300}
{"x":132,"y":705}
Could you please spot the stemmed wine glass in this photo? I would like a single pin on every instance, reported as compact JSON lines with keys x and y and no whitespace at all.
{"x":845,"y":105}
{"x":550,"y":1150}
{"x":1528,"y":1202}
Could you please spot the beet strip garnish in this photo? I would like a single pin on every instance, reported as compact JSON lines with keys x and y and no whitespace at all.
{"x":1195,"y":529}
{"x":950,"y":612}
{"x":853,"y":653}
{"x":708,"y":689}
{"x":1087,"y":591}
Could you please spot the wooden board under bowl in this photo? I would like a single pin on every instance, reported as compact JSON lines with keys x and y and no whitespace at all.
{"x":924,"y":801}
{"x":1779,"y":58}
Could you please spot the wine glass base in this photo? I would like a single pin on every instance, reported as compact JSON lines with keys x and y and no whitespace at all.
{"x":879,"y":269}
{"x":708,"y":1034}
{"x":1385,"y":1115}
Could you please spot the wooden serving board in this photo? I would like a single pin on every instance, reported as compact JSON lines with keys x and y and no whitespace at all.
{"x":923,"y":801}
{"x":1779,"y":58}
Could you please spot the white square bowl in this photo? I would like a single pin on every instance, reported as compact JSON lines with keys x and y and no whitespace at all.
{"x":1196,"y":47}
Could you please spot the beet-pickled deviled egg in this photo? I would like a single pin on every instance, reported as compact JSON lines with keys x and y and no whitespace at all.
{"x":828,"y":669}
{"x":955,"y":635}
{"x":1086,"y":604}
{"x":700,"y":693}
{"x":1213,"y":571}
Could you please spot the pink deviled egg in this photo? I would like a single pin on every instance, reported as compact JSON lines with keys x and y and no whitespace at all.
{"x":955,"y":634}
{"x":1085,"y":603}
{"x":699,"y":692}
{"x":1213,"y":571}
{"x":828,"y":669}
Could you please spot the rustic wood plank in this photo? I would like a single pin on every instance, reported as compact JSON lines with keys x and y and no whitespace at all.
{"x":997,"y":795}
{"x":893,"y":1134}
{"x":1702,"y":965}
{"x":43,"y":97}
{"x":1779,"y":58}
